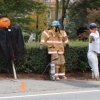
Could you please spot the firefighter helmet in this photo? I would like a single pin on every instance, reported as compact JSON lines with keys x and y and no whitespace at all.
{"x":55,"y":23}
{"x":92,"y":26}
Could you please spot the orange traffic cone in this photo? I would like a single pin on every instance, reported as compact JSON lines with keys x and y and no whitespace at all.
{"x":22,"y":87}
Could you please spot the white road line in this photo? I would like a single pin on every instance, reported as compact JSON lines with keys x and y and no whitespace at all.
{"x":22,"y":96}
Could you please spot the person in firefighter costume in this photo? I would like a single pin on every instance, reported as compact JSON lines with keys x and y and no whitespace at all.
{"x":55,"y":38}
{"x":93,"y":50}
{"x":11,"y":41}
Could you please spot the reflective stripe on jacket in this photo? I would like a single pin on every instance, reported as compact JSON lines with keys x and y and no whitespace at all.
{"x":54,"y":40}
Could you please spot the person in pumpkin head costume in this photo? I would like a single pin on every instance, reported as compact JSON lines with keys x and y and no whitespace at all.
{"x":11,"y":40}
{"x":55,"y":38}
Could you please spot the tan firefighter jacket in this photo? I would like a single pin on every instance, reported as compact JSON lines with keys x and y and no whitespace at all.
{"x":54,"y":40}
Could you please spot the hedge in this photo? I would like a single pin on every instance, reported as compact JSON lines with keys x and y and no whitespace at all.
{"x":34,"y":60}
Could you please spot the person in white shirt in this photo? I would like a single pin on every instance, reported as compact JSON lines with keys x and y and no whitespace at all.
{"x":93,"y":50}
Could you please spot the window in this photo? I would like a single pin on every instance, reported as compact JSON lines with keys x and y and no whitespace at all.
{"x":47,"y":0}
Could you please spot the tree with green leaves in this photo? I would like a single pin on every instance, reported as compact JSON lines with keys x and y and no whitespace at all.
{"x":19,"y":11}
{"x":79,"y":15}
{"x":78,"y":11}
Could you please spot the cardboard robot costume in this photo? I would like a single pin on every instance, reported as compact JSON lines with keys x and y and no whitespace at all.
{"x":93,"y":50}
{"x":55,"y":38}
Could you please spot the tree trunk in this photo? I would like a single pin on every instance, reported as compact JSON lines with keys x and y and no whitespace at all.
{"x":64,"y":7}
{"x":56,"y":10}
{"x":37,"y":22}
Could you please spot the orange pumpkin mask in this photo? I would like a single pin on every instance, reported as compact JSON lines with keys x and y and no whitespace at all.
{"x":4,"y":22}
{"x":93,"y":31}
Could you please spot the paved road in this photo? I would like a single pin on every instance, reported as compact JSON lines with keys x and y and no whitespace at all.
{"x":10,"y":89}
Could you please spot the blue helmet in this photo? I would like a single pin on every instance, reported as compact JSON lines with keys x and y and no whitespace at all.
{"x":55,"y":23}
{"x":92,"y":26}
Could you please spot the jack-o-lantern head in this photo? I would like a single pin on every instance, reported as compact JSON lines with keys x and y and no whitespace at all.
{"x":4,"y":22}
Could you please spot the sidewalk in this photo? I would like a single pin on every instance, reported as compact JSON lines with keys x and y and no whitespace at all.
{"x":12,"y":86}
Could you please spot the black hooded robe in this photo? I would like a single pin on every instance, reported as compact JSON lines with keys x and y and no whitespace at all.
{"x":11,"y":43}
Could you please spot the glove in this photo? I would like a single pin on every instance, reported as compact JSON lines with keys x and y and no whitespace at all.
{"x":92,"y":39}
{"x":41,"y":46}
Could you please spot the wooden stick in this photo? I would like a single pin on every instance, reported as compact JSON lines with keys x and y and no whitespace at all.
{"x":14,"y":71}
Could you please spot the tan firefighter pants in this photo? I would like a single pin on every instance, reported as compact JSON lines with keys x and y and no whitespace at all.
{"x":59,"y":61}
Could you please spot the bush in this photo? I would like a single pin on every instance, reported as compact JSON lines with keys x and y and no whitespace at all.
{"x":35,"y":60}
{"x":26,"y":37}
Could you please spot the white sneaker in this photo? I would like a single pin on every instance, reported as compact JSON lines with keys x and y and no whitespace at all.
{"x":64,"y":77}
{"x":97,"y":78}
{"x":57,"y":79}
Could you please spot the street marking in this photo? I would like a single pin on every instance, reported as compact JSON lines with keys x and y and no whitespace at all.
{"x":22,"y":96}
